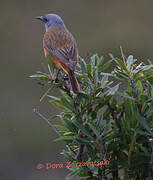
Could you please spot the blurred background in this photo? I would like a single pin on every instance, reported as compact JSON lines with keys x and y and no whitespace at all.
{"x":98,"y":26}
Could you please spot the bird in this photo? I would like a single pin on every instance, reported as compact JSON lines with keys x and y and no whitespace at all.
{"x":60,"y":44}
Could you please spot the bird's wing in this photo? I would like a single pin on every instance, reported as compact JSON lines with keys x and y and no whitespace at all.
{"x":60,"y":43}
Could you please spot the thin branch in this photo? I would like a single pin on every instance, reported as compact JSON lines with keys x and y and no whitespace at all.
{"x":47,"y":121}
{"x":133,"y":140}
{"x":52,"y":126}
{"x":122,"y":54}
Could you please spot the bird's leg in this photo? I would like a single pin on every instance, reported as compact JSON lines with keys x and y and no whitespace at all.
{"x":56,"y":76}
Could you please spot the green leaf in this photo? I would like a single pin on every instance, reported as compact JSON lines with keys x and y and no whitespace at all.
{"x":62,"y":101}
{"x":106,"y":65}
{"x":36,"y":76}
{"x":103,"y":133}
{"x":94,"y":60}
{"x":82,"y":128}
{"x":67,"y":155}
{"x":54,"y":98}
{"x":149,"y":100}
{"x":101,"y":59}
{"x":61,"y":128}
{"x":83,"y":66}
{"x":96,"y":78}
{"x":107,"y":74}
{"x":150,"y":62}
{"x":138,"y":68}
{"x":145,"y":150}
{"x":130,"y":62}
{"x":68,"y":133}
{"x":147,"y":67}
{"x":73,"y":174}
{"x":95,"y":131}
{"x":113,"y":90}
{"x":69,"y":105}
{"x":70,"y":125}
{"x":99,"y":120}
{"x":149,"y":88}
{"x":139,"y":85}
{"x":107,"y":85}
{"x":144,"y":123}
{"x":98,"y":91}
{"x":120,"y":74}
{"x":41,"y":77}
{"x":89,"y":70}
{"x":45,"y":94}
{"x":82,"y":76}
{"x":87,"y":178}
{"x":125,"y":96}
{"x":57,"y":102}
{"x":58,"y":105}
{"x":104,"y":81}
{"x":83,"y":141}
{"x":139,"y":131}
{"x":67,"y":139}
{"x":84,"y":172}
{"x":82,"y":95}
{"x":120,"y":63}
{"x":89,"y":84}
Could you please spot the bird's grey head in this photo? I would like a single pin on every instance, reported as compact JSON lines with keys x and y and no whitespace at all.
{"x":51,"y":20}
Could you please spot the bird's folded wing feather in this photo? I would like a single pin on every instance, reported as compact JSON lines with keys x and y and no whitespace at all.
{"x":60,"y":43}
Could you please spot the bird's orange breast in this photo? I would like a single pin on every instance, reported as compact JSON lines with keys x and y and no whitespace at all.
{"x":58,"y":64}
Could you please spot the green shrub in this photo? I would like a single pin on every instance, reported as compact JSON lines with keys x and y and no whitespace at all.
{"x":104,"y":124}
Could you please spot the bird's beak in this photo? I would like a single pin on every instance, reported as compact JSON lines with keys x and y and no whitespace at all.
{"x":40,"y":18}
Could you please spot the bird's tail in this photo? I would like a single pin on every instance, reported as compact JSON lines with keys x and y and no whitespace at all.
{"x":74,"y":82}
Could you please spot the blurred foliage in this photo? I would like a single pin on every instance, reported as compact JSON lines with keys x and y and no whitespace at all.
{"x":107,"y":132}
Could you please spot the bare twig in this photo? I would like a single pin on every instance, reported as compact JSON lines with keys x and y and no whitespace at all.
{"x":122,"y":54}
{"x":52,"y":126}
{"x":47,"y":121}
